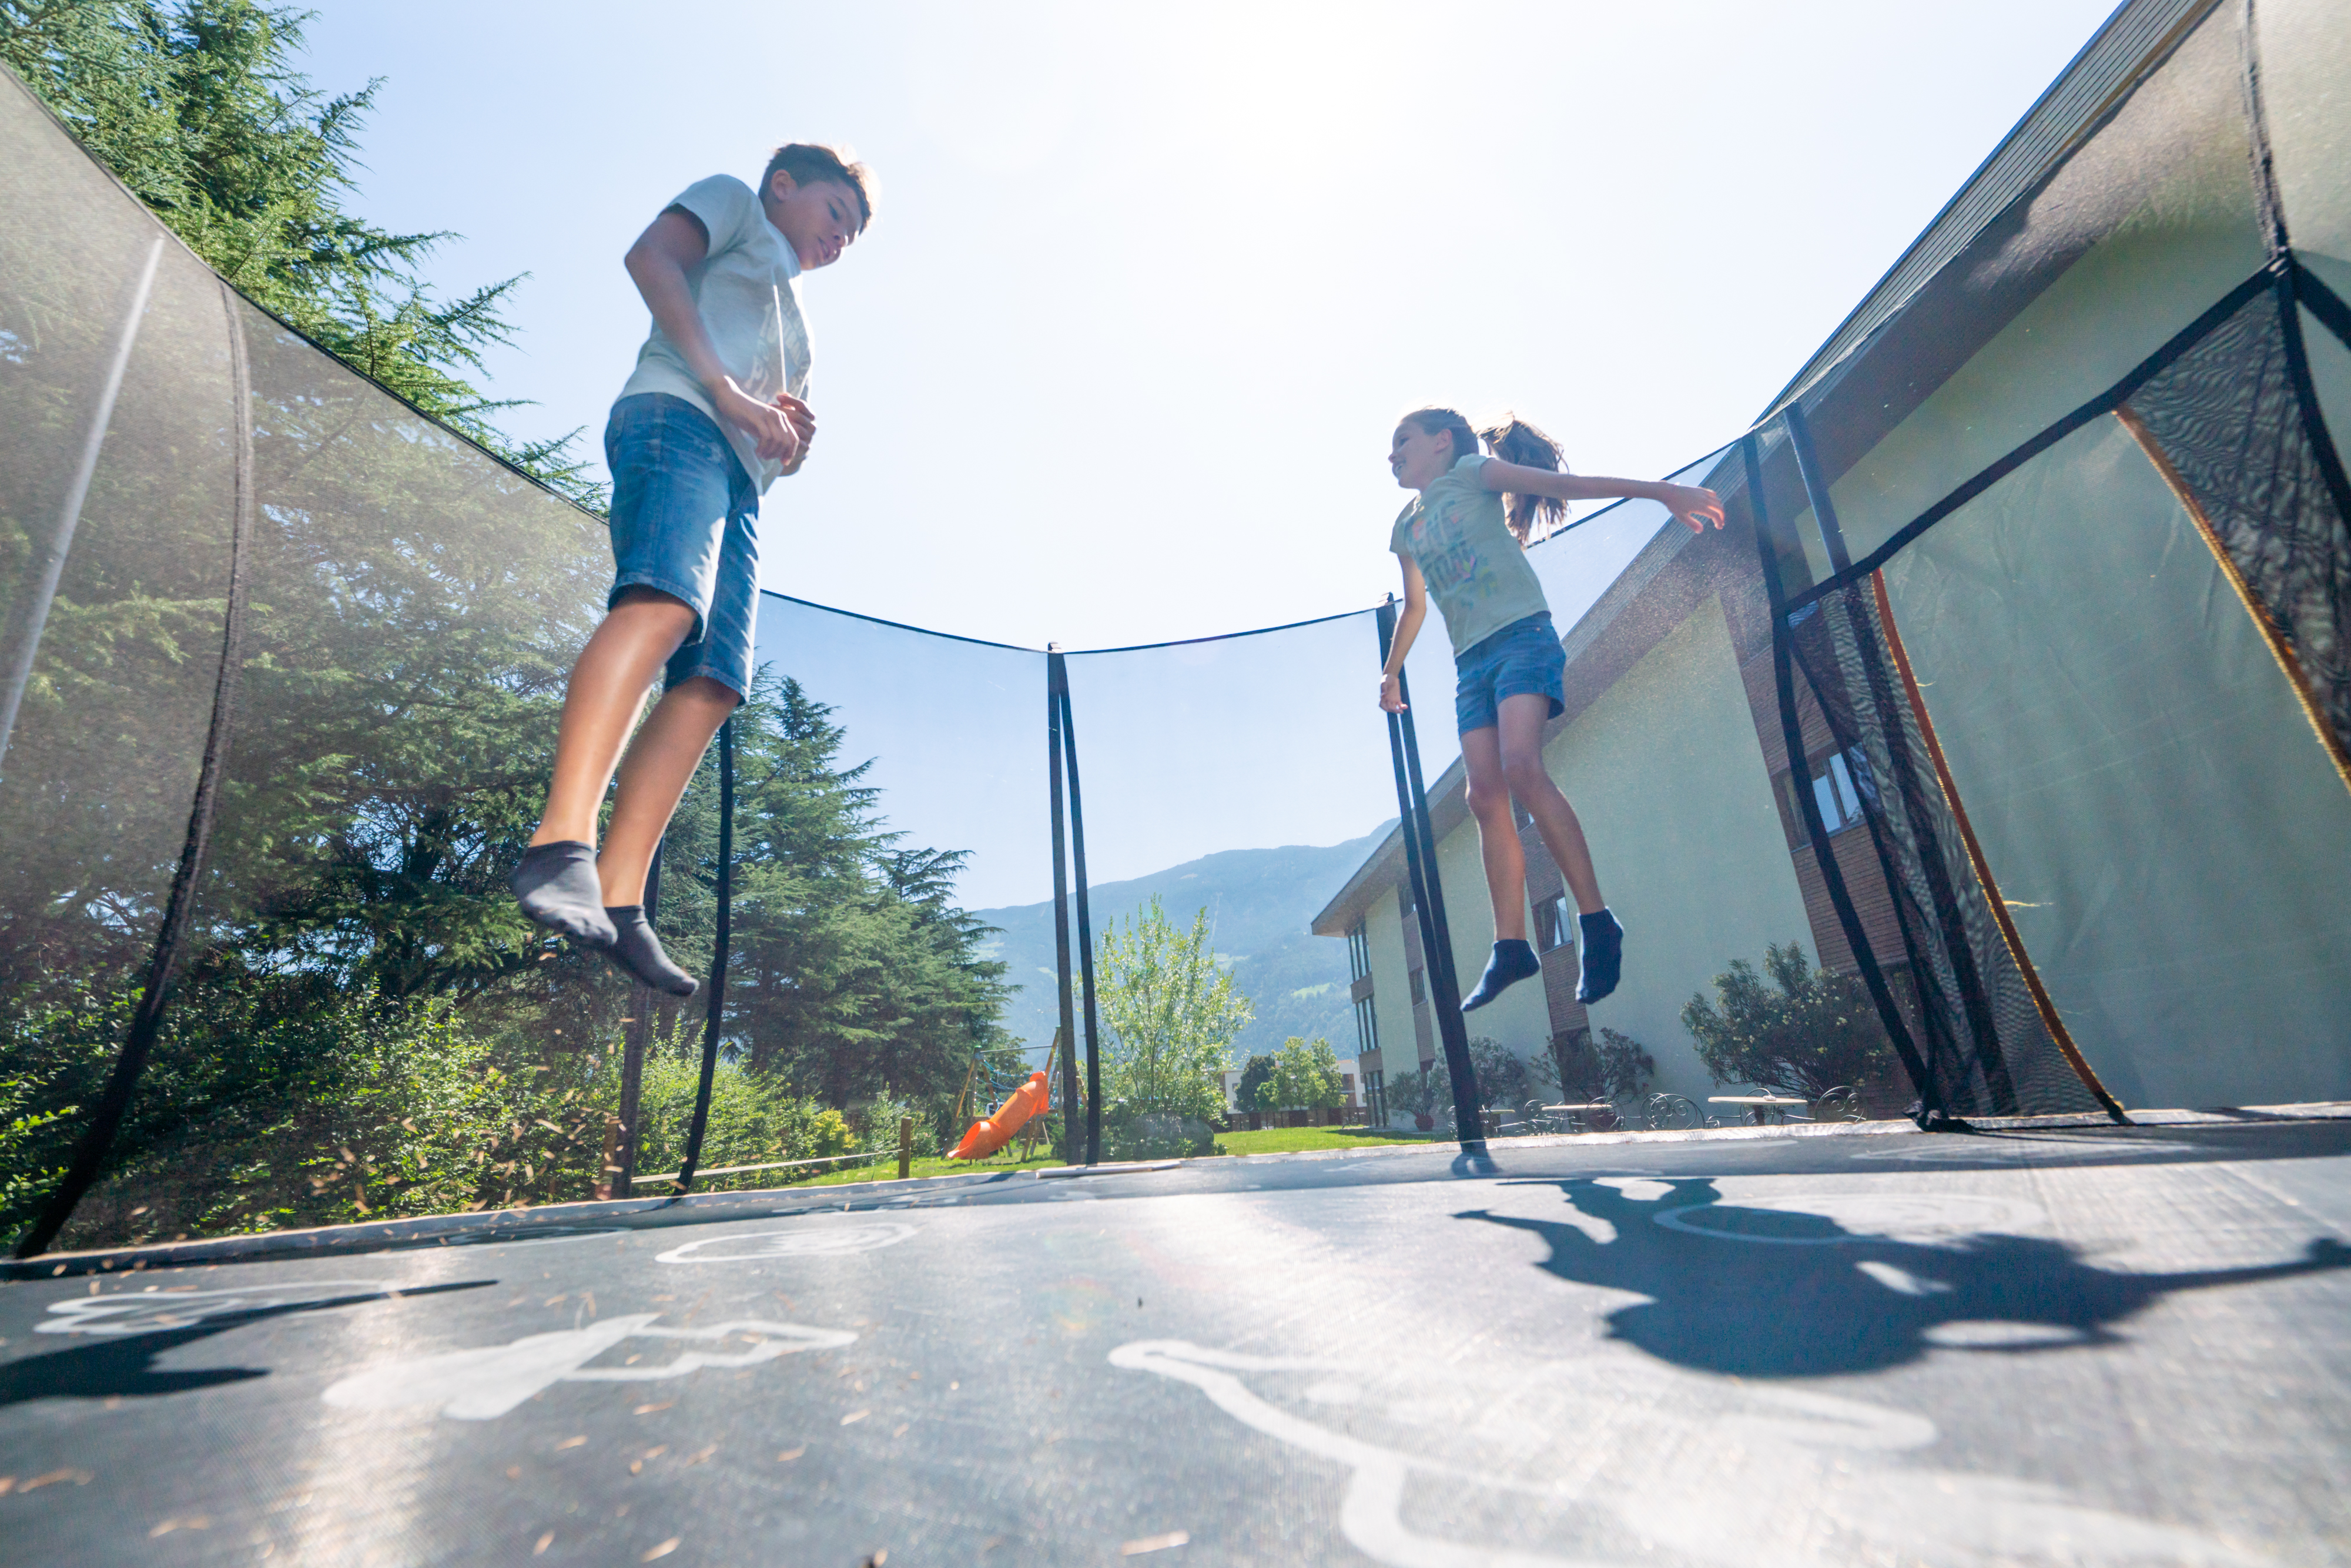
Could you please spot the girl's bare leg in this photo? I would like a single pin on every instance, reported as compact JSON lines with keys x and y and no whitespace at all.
{"x":1489,"y":796}
{"x":1518,"y":760}
{"x":607,"y":692}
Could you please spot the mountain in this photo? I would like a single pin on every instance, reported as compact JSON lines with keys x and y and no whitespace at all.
{"x":1259,"y":902}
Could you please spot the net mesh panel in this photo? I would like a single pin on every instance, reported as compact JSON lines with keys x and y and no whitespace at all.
{"x":2227,"y":417}
{"x":1244,"y":779}
{"x":1976,"y":1025}
{"x":943,"y":741}
{"x":2144,"y":785}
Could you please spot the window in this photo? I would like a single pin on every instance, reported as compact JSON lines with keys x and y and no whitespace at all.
{"x":1419,"y":989}
{"x":1375,"y":1095}
{"x":1359,"y":952}
{"x":1842,"y":784}
{"x":1367,"y":1026}
{"x":1555,"y":924}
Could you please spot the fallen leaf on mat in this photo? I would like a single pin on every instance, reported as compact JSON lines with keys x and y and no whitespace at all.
{"x":663,"y":1550}
{"x":544,"y":1542}
{"x":789,"y":1455}
{"x":649,"y":1409}
{"x":699,"y":1457}
{"x":1154,"y":1543}
{"x":78,"y":1477}
{"x":193,"y":1522}
{"x":569,"y":1443}
{"x":855,"y":1416}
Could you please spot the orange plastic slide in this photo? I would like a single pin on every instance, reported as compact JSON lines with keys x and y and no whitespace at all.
{"x":987,"y":1136}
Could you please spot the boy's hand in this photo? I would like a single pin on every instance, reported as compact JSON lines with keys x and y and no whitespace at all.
{"x":767,"y":424}
{"x":802,"y":420}
{"x":1693,"y":505}
{"x":1391,"y":693}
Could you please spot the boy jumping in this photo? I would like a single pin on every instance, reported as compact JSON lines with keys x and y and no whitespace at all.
{"x":712,"y":414}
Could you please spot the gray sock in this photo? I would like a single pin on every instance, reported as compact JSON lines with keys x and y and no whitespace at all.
{"x":557,"y":886}
{"x":639,"y":951}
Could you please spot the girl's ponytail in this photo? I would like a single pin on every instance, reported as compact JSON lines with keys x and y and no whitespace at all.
{"x":1532,"y":518}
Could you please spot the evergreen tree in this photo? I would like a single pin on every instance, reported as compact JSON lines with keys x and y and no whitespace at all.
{"x":196,"y":107}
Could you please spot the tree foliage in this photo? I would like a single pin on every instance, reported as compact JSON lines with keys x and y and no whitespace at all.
{"x":1305,"y":1078}
{"x":1817,"y":1030}
{"x":196,"y":107}
{"x":1172,"y":1012}
{"x":1613,"y":1067}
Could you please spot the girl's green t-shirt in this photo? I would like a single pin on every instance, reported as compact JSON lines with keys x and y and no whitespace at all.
{"x":1474,"y":566}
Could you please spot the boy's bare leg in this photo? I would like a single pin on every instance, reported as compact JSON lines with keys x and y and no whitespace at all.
{"x":1520,"y":748}
{"x":607,"y":692}
{"x":654,"y":777}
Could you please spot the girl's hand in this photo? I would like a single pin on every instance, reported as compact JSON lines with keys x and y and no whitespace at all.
{"x":1693,"y":505}
{"x":1391,"y":693}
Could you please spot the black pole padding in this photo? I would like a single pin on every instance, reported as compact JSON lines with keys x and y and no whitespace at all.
{"x":1816,"y":487}
{"x":1085,"y":929}
{"x":1057,"y":683}
{"x":179,"y":910}
{"x":635,"y":1039}
{"x":1931,"y":1110}
{"x":717,"y":1009}
{"x":1429,"y":905}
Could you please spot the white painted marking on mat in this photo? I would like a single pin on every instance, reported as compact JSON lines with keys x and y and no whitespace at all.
{"x":159,"y":1311}
{"x":1972,"y":1333}
{"x":1644,"y":1458}
{"x":1901,"y":1281}
{"x":482,"y":1385}
{"x":1920,"y":1218}
{"x":814,"y":1242}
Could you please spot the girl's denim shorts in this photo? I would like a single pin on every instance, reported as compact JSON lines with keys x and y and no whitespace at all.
{"x":1523,"y":658}
{"x":685,"y":521}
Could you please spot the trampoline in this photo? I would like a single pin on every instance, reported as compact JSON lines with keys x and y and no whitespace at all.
{"x":2016,"y":687}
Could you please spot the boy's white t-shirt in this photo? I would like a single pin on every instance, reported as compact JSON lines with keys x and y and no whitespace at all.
{"x":747,"y":290}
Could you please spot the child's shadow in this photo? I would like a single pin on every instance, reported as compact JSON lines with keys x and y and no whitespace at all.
{"x":1836,"y":1301}
{"x":124,"y":1364}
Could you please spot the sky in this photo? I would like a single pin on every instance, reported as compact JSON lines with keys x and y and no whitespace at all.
{"x":1148,"y":286}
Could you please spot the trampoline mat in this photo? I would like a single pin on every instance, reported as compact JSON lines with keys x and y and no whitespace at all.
{"x":2062,"y":1346}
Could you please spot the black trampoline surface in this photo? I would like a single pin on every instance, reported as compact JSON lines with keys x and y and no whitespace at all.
{"x":2066,"y":1346}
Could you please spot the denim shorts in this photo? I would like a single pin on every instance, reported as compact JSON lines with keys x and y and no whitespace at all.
{"x":685,"y":521}
{"x":1523,"y":658}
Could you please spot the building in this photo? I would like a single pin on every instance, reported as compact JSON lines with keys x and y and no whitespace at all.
{"x":2040,"y":563}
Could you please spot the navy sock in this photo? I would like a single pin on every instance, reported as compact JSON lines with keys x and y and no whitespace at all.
{"x":1512,"y":961}
{"x":1603,"y":954}
{"x":639,"y":951}
{"x":557,"y":885}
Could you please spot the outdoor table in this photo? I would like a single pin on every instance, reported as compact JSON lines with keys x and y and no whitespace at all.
{"x":1757,"y":1109}
{"x":1575,"y":1112}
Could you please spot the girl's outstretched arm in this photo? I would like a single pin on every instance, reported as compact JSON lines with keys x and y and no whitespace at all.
{"x":1693,"y":505}
{"x":1408,"y":620}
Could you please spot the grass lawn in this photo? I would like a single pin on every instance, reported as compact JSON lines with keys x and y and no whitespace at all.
{"x":1289,"y":1140}
{"x":1272,"y":1140}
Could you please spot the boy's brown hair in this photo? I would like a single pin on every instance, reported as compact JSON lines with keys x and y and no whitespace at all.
{"x":812,"y":163}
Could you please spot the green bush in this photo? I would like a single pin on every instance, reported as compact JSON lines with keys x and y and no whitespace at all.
{"x":1816,"y":1031}
{"x":1615,"y":1066}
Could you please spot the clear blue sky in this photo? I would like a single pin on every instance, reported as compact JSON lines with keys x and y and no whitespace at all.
{"x":1150,"y":283}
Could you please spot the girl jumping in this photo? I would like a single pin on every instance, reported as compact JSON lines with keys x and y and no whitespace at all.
{"x":1465,"y":541}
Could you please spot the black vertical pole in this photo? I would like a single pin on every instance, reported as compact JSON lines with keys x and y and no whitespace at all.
{"x":1816,"y":831}
{"x":634,"y":1038}
{"x":717,"y":956}
{"x":1816,"y":489}
{"x":1057,"y":681}
{"x":1428,"y":898}
{"x":1085,"y":925}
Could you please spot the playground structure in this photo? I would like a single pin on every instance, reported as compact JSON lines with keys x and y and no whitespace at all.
{"x":2046,"y":546}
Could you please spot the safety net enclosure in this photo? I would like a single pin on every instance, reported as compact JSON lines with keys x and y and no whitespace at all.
{"x":1989,"y":761}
